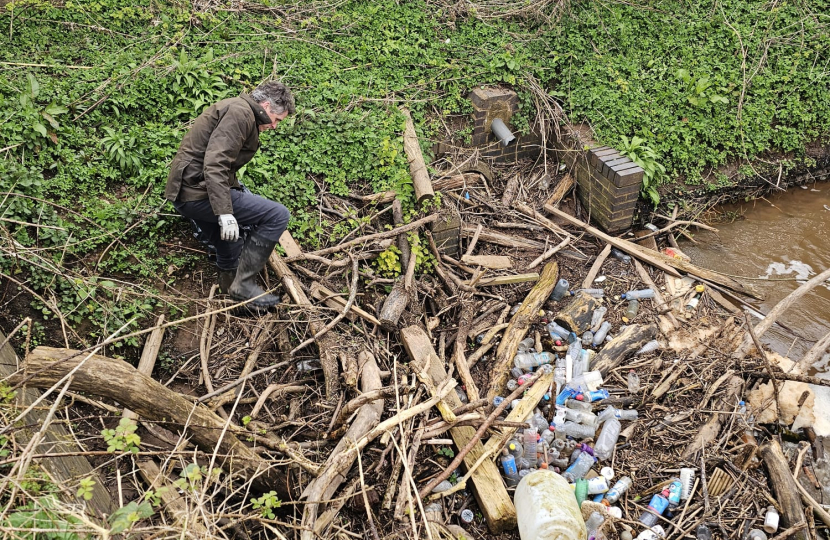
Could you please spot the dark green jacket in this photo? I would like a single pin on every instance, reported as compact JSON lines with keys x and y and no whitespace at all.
{"x":223,"y":139}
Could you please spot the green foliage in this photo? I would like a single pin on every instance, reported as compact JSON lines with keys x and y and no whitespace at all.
{"x":192,"y":477}
{"x":446,"y":451}
{"x":42,"y":514}
{"x":388,"y":262}
{"x":6,"y":393}
{"x":266,"y":504}
{"x":85,"y":488}
{"x":128,"y":515}
{"x":645,"y":156}
{"x":123,"y":438}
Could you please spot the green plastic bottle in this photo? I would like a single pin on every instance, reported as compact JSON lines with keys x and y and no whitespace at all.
{"x":581,"y":491}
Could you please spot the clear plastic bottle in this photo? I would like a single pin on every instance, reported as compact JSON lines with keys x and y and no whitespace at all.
{"x":594,"y":522}
{"x":578,"y":431}
{"x":556,"y":331}
{"x":607,"y":439}
{"x":616,"y":492}
{"x":508,"y":464}
{"x":641,"y":294}
{"x":587,"y":339}
{"x":560,"y":291}
{"x":596,"y":318}
{"x":562,"y":520}
{"x":539,"y":422}
{"x":626,"y":414}
{"x":528,"y":361}
{"x":651,"y":346}
{"x":515,"y":448}
{"x":596,"y":293}
{"x":620,"y":256}
{"x":596,"y":395}
{"x":658,"y":504}
{"x":586,"y":418}
{"x":580,"y":364}
{"x":757,"y":534}
{"x":633,"y":382}
{"x":578,"y":405}
{"x":512,"y":384}
{"x":529,"y":437}
{"x":443,"y":486}
{"x":516,"y":372}
{"x":631,"y":311}
{"x":580,"y":467}
{"x":525,"y":344}
{"x":599,"y":335}
{"x":589,"y":380}
{"x":687,"y":481}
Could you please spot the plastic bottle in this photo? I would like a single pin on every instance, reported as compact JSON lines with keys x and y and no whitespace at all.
{"x":560,"y":291}
{"x":620,"y":256}
{"x":642,"y":294}
{"x":562,"y":520}
{"x":588,"y":381}
{"x":597,"y":484}
{"x":651,"y":346}
{"x":757,"y":534}
{"x":587,"y":338}
{"x":539,"y":422}
{"x":617,"y":490}
{"x":443,"y":486}
{"x":596,"y":293}
{"x":658,"y":504}
{"x":626,"y":414}
{"x":508,"y":464}
{"x":528,"y":361}
{"x":512,"y":384}
{"x":525,"y":344}
{"x":596,"y":395}
{"x":524,"y":379}
{"x":608,"y":473}
{"x":529,"y":437}
{"x":578,"y":405}
{"x":580,"y":467}
{"x":515,"y":448}
{"x":631,"y":311}
{"x":516,"y":372}
{"x":771,"y":520}
{"x":607,"y":439}
{"x":599,"y":335}
{"x":580,"y":364}
{"x":687,"y":480}
{"x":633,"y":382}
{"x":652,"y":533}
{"x":578,"y":431}
{"x":586,"y":418}
{"x":596,"y":318}
{"x":581,"y":491}
{"x":594,"y":522}
{"x":675,"y":490}
{"x":556,"y":331}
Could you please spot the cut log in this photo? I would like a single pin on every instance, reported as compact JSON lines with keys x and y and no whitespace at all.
{"x":510,"y":190}
{"x":493,"y":262}
{"x":417,"y":167}
{"x":119,"y":381}
{"x":488,"y":487}
{"x":786,"y":491}
{"x":668,"y":264}
{"x":184,"y":518}
{"x":148,"y":356}
{"x":507,"y":280}
{"x":562,"y":188}
{"x":457,"y":181}
{"x":335,"y":301}
{"x":710,"y":430}
{"x":502,"y":239}
{"x":327,"y":343}
{"x":624,"y":345}
{"x":394,"y":306}
{"x":519,"y":325}
{"x":291,"y":247}
{"x":576,"y":316}
{"x":336,"y":468}
{"x":66,"y":470}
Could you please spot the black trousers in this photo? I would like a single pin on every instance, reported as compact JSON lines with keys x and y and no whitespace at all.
{"x":267,"y":218}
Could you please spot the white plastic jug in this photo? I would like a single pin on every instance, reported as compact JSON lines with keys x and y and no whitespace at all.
{"x":546,"y":508}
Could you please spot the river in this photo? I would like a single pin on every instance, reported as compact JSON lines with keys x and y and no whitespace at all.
{"x":778,"y":242}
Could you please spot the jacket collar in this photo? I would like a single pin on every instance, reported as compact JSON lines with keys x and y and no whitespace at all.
{"x":259,"y":113}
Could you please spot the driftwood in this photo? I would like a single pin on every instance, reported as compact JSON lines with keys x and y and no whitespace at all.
{"x":519,"y":325}
{"x":291,"y":247}
{"x":786,"y":490}
{"x":457,"y":181}
{"x":338,"y":464}
{"x":596,"y":267}
{"x":494,"y":262}
{"x":500,"y":239}
{"x":401,"y":241}
{"x":622,"y":346}
{"x":507,"y":280}
{"x":326,"y":343}
{"x":663,"y":262}
{"x":488,"y":486}
{"x":117,"y":380}
{"x":335,"y":301}
{"x":561,"y":189}
{"x":148,"y":356}
{"x":576,"y":316}
{"x":417,"y":167}
{"x":394,"y":306}
{"x":710,"y":430}
{"x":815,"y":352}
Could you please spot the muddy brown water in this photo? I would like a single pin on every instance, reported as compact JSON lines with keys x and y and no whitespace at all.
{"x":780,"y":242}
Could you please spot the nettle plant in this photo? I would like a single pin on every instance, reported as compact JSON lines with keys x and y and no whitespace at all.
{"x":646,"y":157}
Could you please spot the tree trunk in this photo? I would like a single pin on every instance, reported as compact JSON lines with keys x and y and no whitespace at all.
{"x":786,"y":492}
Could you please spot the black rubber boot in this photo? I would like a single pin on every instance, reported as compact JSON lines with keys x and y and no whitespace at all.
{"x":253,"y":258}
{"x":226,"y":277}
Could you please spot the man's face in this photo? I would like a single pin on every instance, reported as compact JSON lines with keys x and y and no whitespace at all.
{"x":275,"y":117}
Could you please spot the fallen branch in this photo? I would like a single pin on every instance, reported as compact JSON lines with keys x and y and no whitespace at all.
{"x":785,"y":486}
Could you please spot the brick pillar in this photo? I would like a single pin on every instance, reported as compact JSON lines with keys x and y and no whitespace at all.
{"x":489,"y":104}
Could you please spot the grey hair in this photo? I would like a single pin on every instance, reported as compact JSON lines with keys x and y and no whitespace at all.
{"x":277,"y":95}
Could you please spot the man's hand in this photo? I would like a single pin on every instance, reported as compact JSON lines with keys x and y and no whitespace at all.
{"x":228,"y":229}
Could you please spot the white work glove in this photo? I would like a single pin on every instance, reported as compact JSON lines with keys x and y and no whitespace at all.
{"x":228,"y":229}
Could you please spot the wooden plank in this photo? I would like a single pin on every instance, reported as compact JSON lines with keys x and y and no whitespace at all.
{"x":488,"y":487}
{"x":668,"y":264}
{"x":335,"y":301}
{"x":505,"y":240}
{"x":291,"y":247}
{"x":184,"y":518}
{"x":66,"y":471}
{"x":648,"y":242}
{"x":148,"y":357}
{"x":507,"y":280}
{"x":493,"y":262}
{"x":526,"y":406}
{"x":595,"y":268}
